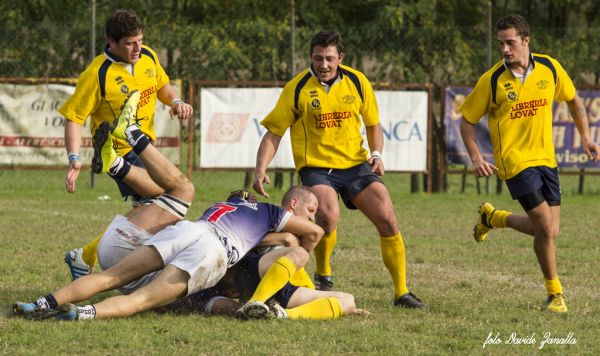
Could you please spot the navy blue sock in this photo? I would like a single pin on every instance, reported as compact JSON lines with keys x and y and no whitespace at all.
{"x":120,"y":171}
{"x":52,"y":303}
{"x":140,"y":145}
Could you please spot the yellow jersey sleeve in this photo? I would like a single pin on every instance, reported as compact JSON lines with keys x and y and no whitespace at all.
{"x":162,"y":78}
{"x":369,"y":110}
{"x":283,"y":115}
{"x":565,"y":89}
{"x":86,"y":98}
{"x":477,"y":103}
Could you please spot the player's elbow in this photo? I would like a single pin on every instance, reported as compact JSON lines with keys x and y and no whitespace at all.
{"x":316,"y":235}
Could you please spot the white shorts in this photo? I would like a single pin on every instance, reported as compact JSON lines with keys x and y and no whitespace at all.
{"x":194,"y":248}
{"x":119,"y":240}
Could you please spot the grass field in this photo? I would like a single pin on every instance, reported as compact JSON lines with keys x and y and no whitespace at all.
{"x":473,"y":290}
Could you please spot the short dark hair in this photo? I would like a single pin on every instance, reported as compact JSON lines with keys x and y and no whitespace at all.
{"x":515,"y":21}
{"x":123,"y":23}
{"x":300,"y":192}
{"x":244,"y":195}
{"x":326,"y":39}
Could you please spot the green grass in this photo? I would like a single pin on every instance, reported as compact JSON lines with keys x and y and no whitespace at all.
{"x":472,"y":289}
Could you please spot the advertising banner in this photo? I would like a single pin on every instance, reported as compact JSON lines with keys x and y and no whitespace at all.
{"x":32,"y":130}
{"x":567,"y":141}
{"x":231,"y":130}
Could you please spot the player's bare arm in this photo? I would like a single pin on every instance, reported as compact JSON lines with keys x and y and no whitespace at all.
{"x":481,"y":167}
{"x":375,"y":141}
{"x":180,"y":109}
{"x":266,"y":151}
{"x":73,"y":145}
{"x":577,"y":110}
{"x":309,"y":233}
{"x":280,"y":239}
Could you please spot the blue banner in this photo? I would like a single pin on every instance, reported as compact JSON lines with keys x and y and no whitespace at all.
{"x":567,"y":141}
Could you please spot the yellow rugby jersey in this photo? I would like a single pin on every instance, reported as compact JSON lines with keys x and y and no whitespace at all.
{"x":520,"y":114}
{"x":325,"y":126}
{"x":104,"y":85}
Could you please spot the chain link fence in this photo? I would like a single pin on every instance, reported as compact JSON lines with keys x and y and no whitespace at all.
{"x":260,"y":51}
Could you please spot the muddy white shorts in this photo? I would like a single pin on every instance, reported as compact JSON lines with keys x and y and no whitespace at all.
{"x":118,"y":241}
{"x":194,"y":248}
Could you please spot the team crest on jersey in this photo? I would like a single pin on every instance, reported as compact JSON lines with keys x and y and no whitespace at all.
{"x":348,"y":99}
{"x":316,"y":104}
{"x":542,"y":84}
{"x":313,"y":93}
{"x":512,"y":96}
{"x":149,"y":72}
{"x":124,"y":89}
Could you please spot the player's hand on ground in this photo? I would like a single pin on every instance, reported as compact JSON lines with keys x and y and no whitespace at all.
{"x":483,"y":168}
{"x":376,"y":165}
{"x":359,"y":311}
{"x":182,"y":111}
{"x":72,"y":175}
{"x":259,"y":180}
{"x":593,"y":152}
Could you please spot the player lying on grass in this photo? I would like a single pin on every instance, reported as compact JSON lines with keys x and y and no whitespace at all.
{"x":178,"y":260}
{"x":297,"y":299}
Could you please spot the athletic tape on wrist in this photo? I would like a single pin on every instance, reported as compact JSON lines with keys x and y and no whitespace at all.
{"x":176,"y":101}
{"x":73,"y":157}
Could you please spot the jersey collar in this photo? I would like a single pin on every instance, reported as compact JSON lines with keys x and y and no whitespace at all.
{"x":118,"y":60}
{"x":113,"y":57}
{"x":529,"y":69}
{"x":339,"y":76}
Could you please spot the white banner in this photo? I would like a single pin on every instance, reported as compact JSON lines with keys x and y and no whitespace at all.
{"x":231,"y":130}
{"x":32,"y":131}
{"x":403,"y":118}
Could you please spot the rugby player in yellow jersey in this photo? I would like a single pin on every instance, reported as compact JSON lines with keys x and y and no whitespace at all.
{"x":125,"y":65}
{"x":517,"y":95}
{"x":323,"y":106}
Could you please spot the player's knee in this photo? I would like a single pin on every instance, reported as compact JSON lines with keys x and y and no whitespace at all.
{"x":545,"y":231}
{"x":388,"y":225}
{"x":298,"y":256}
{"x":347,"y":302}
{"x":328,"y":225}
{"x":327,"y":221}
{"x":185,"y":188}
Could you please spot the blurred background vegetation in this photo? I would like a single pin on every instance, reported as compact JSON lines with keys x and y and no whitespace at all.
{"x":397,"y":41}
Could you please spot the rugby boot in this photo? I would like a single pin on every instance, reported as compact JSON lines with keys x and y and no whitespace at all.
{"x":324,"y":283}
{"x":104,"y":153}
{"x":556,"y":303}
{"x":409,"y":300}
{"x":127,"y":117}
{"x":483,"y":225}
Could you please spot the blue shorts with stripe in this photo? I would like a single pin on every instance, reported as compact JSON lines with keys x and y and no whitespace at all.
{"x":346,"y":182}
{"x":533,"y":185}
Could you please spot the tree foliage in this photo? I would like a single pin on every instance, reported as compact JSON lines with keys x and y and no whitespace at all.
{"x":437,"y":41}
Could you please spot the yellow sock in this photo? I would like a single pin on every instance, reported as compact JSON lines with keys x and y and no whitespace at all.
{"x":318,"y":309}
{"x":90,"y":251}
{"x":301,"y":279}
{"x":274,"y":279}
{"x":323,"y":252}
{"x":392,"y":252}
{"x":500,"y":218}
{"x":553,"y":286}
